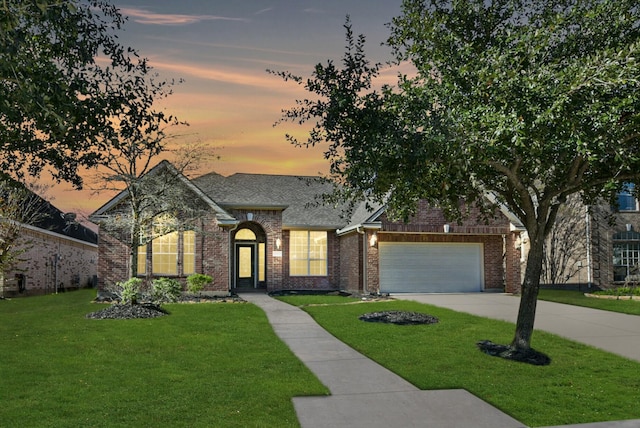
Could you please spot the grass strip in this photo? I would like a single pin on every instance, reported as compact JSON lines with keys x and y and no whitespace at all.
{"x":204,"y":365}
{"x":582,"y":384}
{"x":577,"y":298}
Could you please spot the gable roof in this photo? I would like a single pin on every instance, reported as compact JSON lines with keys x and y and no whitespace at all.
{"x":51,"y":219}
{"x":297,"y":196}
{"x":222,"y":216}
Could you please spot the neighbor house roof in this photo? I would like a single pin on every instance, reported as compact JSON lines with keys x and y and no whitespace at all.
{"x":50,"y":219}
{"x":298,"y":197}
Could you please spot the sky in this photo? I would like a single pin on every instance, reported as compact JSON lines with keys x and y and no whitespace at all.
{"x":222,"y":49}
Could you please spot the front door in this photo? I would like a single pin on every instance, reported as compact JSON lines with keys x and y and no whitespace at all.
{"x":245,"y":266}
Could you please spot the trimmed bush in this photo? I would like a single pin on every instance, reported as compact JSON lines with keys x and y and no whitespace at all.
{"x":165,"y":290}
{"x":128,"y":290}
{"x":197,"y":281}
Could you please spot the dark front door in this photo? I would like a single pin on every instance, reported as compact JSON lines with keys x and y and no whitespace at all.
{"x":245,"y":265}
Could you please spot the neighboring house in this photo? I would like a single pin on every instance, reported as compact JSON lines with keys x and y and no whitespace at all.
{"x":615,"y":245}
{"x":269,"y":232}
{"x":606,"y":248}
{"x":61,"y":255}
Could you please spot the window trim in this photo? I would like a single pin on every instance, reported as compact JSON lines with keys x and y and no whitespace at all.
{"x":627,"y":243}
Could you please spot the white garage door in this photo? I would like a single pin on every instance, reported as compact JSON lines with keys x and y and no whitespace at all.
{"x":430,"y":267}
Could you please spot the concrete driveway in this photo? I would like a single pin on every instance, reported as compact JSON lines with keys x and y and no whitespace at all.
{"x":610,"y":331}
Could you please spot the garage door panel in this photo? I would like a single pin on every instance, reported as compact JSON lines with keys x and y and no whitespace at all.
{"x":430,"y":267}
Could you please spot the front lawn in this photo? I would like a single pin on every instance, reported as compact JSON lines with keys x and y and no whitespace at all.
{"x":581,"y":385}
{"x":578,"y":298}
{"x":205,"y":365}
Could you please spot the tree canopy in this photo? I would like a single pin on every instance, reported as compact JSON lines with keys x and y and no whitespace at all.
{"x":68,"y":89}
{"x":527,"y":102}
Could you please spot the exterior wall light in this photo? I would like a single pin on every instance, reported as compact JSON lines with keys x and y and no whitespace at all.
{"x":278,"y":243}
{"x":373,"y":240}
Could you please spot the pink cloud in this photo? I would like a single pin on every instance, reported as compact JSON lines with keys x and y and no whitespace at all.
{"x":143,"y":16}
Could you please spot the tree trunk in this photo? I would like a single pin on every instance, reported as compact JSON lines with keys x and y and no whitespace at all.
{"x":529,"y":297}
{"x":134,"y":241}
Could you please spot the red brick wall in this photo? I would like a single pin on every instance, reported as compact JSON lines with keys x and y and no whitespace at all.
{"x":351,"y":262}
{"x":52,"y":259}
{"x":513,"y":279}
{"x":330,"y":282}
{"x":113,"y":261}
{"x":212,"y":257}
{"x":501,"y":258}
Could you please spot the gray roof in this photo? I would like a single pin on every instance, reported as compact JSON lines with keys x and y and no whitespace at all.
{"x":221,"y":215}
{"x":297,"y":196}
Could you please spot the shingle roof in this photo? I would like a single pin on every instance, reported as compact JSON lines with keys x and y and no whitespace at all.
{"x":51,"y":219}
{"x":297,"y":196}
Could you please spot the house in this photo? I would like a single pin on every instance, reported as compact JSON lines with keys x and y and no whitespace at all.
{"x":593,"y":246}
{"x":271,"y":232}
{"x":60,"y":255}
{"x":614,"y":241}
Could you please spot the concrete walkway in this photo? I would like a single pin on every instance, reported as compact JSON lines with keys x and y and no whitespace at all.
{"x":364,"y":393}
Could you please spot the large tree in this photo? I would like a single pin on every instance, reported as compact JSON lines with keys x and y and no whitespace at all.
{"x":528,"y":102}
{"x":155,"y":201}
{"x":68,"y":89}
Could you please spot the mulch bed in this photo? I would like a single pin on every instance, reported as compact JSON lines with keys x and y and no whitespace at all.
{"x":399,"y":317}
{"x":529,"y":356}
{"x":148,"y":310}
{"x":125,"y":312}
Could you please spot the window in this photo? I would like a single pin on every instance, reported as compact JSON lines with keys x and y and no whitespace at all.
{"x":165,"y":255}
{"x":626,"y":199}
{"x":308,"y":253}
{"x":262,"y":262}
{"x":142,"y":259}
{"x":626,"y":254}
{"x":188,"y":252}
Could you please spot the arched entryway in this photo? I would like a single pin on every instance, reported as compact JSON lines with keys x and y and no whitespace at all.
{"x":249,"y":257}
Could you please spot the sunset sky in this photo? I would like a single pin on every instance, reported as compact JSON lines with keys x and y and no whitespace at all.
{"x":222,"y":49}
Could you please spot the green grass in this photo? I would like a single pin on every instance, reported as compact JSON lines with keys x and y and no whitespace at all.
{"x":317,"y":299}
{"x":581,"y":385}
{"x":578,"y":298}
{"x":204,"y":365}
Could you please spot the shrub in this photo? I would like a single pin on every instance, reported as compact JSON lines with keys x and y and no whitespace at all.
{"x":165,"y":290}
{"x":197,"y":281}
{"x":128,"y":290}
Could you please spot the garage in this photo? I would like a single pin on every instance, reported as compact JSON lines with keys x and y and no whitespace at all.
{"x":419,"y":267}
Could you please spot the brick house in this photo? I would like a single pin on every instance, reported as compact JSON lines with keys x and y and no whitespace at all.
{"x":61,"y":255}
{"x":613,"y":242}
{"x":270,"y":232}
{"x":604,"y":246}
